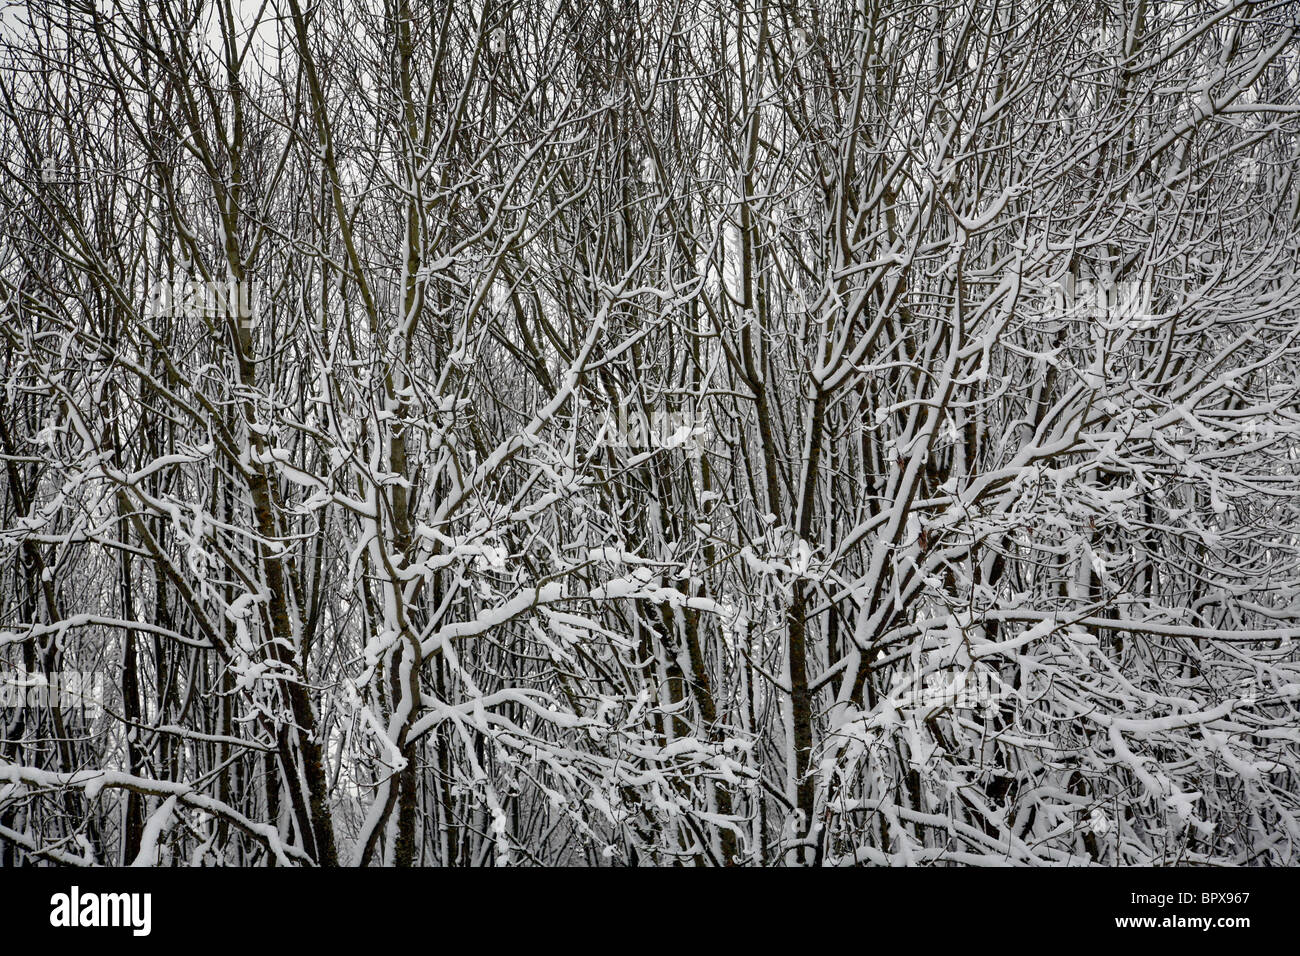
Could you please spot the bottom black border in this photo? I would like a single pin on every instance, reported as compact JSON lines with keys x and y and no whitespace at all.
{"x":934,"y":906}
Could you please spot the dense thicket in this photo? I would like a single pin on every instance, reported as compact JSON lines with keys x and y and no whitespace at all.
{"x":545,"y":432}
